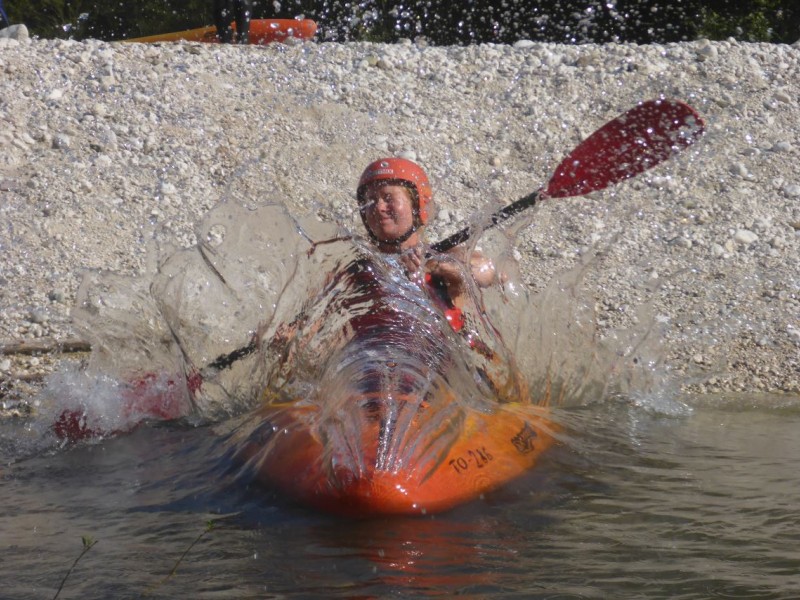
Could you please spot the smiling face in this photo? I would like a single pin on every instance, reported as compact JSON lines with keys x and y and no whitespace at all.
{"x":389,"y":214}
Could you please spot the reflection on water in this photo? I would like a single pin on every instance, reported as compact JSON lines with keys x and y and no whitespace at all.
{"x":634,"y":505}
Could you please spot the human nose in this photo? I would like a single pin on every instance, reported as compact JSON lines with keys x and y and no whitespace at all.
{"x":382,"y":204}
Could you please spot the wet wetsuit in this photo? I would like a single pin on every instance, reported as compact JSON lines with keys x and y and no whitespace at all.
{"x":226,"y":11}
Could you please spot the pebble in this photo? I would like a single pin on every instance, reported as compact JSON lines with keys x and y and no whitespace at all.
{"x":792,"y":190}
{"x":782,"y":147}
{"x":38,"y":315}
{"x":707,"y":50}
{"x":745,"y":237}
{"x":18,"y":33}
{"x":61,"y":141}
{"x":739,"y":169}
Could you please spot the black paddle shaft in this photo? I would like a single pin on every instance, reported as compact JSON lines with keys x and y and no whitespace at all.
{"x":497,"y":217}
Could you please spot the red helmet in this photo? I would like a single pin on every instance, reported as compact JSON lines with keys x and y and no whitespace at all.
{"x":404,"y":172}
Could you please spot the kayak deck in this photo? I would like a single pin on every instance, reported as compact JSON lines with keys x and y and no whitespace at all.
{"x":416,"y":477}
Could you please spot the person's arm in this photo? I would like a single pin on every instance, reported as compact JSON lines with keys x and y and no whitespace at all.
{"x":451,"y":273}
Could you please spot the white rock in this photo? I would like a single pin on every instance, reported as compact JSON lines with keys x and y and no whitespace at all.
{"x":745,"y":237}
{"x":738,"y":169}
{"x":17,"y":32}
{"x":707,"y":51}
{"x":167,"y":189}
{"x":408,"y":154}
{"x":61,"y":141}
{"x":792,"y":190}
{"x":782,"y":147}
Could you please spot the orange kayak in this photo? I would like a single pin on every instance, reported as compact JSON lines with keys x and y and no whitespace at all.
{"x":384,"y":410}
{"x":427,"y":475}
{"x":262,"y":32}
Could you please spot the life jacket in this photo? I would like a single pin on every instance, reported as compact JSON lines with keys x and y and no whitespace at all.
{"x":455,"y":316}
{"x":438,"y":289}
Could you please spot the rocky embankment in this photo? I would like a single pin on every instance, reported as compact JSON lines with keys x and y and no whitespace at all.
{"x":104,"y":146}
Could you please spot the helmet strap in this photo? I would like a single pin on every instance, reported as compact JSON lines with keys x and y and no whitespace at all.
{"x":395,"y":242}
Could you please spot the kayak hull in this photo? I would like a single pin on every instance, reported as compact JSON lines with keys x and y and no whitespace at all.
{"x":491,"y":449}
{"x":262,"y":32}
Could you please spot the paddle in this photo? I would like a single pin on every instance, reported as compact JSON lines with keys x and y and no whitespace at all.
{"x":635,"y":141}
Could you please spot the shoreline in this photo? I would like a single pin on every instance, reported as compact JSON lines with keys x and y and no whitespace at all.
{"x":107,"y":146}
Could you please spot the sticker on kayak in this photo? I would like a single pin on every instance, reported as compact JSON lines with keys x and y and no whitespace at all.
{"x":523,"y":441}
{"x":478,"y":457}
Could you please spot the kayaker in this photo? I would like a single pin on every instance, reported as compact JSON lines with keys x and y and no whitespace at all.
{"x":396,"y":203}
{"x":226,"y":11}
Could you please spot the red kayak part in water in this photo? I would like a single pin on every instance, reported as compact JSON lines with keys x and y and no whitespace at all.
{"x":144,"y":398}
{"x":262,"y":32}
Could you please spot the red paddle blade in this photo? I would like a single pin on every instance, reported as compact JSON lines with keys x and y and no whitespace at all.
{"x":633,"y":142}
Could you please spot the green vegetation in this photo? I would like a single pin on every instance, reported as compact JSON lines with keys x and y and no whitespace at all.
{"x":210,"y":524}
{"x":754,"y":21}
{"x":440,"y":21}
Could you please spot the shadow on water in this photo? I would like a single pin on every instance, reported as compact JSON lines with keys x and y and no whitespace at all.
{"x":647,"y":494}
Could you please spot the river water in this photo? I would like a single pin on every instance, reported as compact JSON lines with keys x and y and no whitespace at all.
{"x":632,"y":503}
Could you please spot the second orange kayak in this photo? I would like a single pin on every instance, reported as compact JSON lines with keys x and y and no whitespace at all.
{"x":262,"y":32}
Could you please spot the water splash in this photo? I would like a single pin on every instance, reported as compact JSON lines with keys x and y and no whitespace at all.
{"x":203,"y":333}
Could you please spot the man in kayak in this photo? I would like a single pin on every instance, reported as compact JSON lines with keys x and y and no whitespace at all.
{"x":226,"y":11}
{"x":396,"y":203}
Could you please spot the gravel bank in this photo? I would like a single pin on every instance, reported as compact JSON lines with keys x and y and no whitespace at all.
{"x":104,"y":146}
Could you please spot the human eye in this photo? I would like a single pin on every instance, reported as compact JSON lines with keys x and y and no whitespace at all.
{"x":393,"y":197}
